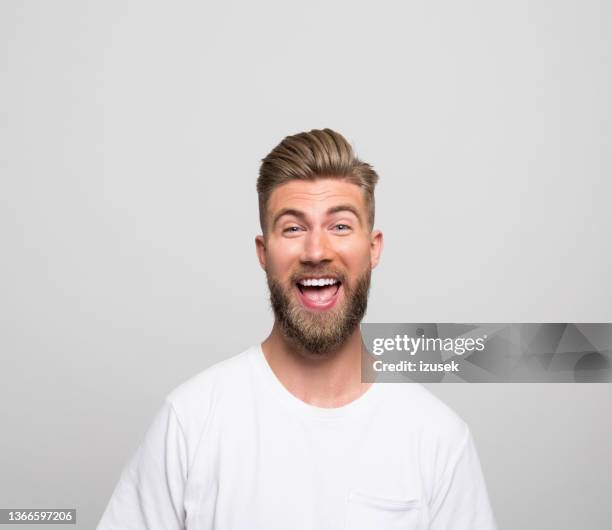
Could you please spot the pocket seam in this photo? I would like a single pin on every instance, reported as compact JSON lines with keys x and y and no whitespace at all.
{"x":382,"y":502}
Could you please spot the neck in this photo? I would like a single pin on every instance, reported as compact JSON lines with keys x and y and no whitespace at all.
{"x":330,"y":380}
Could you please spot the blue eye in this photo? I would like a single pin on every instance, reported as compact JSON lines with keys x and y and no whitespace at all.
{"x":291,"y":229}
{"x":342,"y":227}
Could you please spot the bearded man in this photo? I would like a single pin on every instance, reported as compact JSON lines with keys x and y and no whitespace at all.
{"x":286,"y":435}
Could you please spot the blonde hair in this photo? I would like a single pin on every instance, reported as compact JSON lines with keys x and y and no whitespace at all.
{"x":309,"y":156}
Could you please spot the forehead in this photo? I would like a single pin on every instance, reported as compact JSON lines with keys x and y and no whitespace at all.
{"x":315,"y":195}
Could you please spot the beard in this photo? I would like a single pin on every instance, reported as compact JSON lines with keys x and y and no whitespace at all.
{"x":319,"y":333}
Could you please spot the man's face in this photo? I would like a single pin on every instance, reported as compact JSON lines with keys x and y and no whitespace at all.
{"x":318,"y":254}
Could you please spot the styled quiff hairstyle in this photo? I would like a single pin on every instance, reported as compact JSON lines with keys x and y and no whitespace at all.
{"x":309,"y":156}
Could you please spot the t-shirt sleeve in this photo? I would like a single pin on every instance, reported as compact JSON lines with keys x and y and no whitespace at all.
{"x":149,"y":494}
{"x":460,"y":500}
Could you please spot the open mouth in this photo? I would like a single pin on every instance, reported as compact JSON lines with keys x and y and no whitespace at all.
{"x":319,"y":292}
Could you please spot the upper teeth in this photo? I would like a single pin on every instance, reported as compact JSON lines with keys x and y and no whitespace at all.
{"x":318,"y":282}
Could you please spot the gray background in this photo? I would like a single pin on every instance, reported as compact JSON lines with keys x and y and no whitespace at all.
{"x":130,"y":142}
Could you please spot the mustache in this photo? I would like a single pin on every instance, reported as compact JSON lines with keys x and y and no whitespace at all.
{"x":322,"y":272}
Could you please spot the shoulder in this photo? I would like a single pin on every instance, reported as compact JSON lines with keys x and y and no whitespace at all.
{"x":194,"y":400}
{"x":424,"y":413}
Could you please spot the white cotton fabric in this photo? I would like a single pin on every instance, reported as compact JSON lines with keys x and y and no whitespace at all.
{"x":233,"y":449}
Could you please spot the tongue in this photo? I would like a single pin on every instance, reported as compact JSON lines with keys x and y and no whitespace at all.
{"x":320,"y":294}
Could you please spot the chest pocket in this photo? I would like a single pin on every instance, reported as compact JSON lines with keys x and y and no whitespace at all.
{"x":367,"y":512}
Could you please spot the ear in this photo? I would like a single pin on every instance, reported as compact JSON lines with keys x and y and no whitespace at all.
{"x":260,"y":247}
{"x":376,"y":246}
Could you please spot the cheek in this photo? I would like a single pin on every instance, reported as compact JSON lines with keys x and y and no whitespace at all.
{"x":356,"y":257}
{"x":280,"y":260}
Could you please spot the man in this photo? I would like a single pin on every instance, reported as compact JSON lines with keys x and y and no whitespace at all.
{"x":285,"y":435}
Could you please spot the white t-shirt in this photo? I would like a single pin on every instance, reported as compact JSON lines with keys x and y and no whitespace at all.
{"x":233,"y":449}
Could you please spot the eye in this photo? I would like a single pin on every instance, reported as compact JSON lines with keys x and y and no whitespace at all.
{"x":291,"y":230}
{"x":342,"y":227}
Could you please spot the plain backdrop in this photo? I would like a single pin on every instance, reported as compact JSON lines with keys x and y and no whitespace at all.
{"x":131,"y":136}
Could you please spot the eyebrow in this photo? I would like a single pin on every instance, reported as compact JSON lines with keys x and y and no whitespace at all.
{"x":301,"y":215}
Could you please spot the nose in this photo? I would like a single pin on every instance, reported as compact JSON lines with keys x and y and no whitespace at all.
{"x":317,"y":248}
